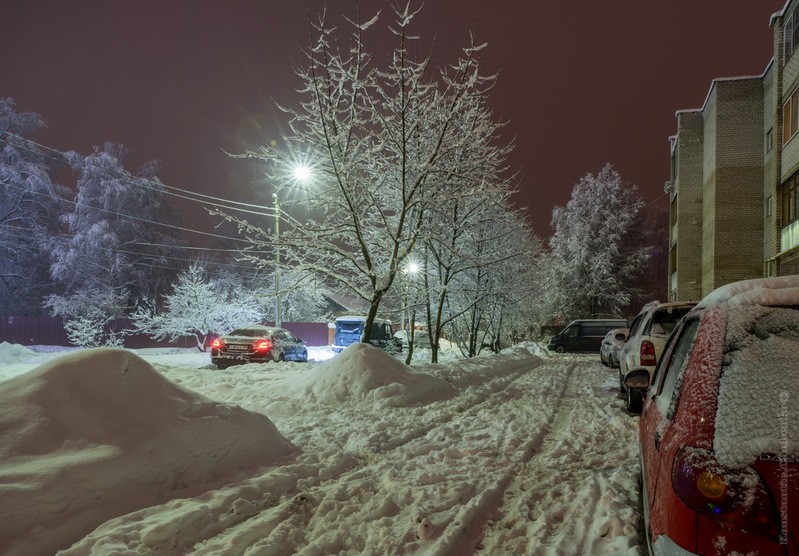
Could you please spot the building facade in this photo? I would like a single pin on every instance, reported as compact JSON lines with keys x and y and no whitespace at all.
{"x":735,"y":175}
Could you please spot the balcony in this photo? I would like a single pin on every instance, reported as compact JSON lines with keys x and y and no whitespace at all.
{"x":789,"y":236}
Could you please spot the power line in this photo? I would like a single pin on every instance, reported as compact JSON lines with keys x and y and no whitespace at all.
{"x":123,"y":215}
{"x":156,"y":185}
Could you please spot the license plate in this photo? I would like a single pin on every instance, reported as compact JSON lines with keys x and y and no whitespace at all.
{"x":235,"y":347}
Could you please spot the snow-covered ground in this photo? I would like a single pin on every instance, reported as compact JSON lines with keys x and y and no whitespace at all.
{"x":157,"y":452}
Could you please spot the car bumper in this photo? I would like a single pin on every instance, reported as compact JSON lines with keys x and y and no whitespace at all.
{"x":239,"y":358}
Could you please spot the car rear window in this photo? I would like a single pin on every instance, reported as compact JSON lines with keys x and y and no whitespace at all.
{"x":758,"y":402}
{"x":250,"y":332}
{"x":664,"y":322}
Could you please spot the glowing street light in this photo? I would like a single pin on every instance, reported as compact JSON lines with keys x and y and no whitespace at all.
{"x":302,"y":173}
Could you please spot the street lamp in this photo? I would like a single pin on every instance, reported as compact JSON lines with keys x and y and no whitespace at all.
{"x":301,"y":174}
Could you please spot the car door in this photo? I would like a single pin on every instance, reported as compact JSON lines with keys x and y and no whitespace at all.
{"x":630,"y":349}
{"x":280,"y":344}
{"x":656,"y":414}
{"x":292,"y":347}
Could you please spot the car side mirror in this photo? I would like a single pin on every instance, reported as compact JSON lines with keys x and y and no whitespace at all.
{"x":637,"y":379}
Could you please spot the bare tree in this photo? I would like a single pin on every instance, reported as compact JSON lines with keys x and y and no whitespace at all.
{"x":381,"y":142}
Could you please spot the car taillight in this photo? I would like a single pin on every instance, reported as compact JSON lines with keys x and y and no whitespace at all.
{"x":217,"y":343}
{"x":262,"y":345}
{"x":647,"y":353}
{"x":735,"y":498}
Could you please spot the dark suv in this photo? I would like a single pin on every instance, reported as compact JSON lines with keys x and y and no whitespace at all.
{"x":349,"y":330}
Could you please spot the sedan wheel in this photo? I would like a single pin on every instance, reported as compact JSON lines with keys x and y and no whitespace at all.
{"x":560,"y":349}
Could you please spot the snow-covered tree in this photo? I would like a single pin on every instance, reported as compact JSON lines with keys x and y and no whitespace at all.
{"x":302,"y":296}
{"x":591,"y":269}
{"x":113,"y":243}
{"x":486,"y":298}
{"x":198,"y":306}
{"x":86,"y":316}
{"x":30,"y":205}
{"x":471,"y":247}
{"x":382,"y":141}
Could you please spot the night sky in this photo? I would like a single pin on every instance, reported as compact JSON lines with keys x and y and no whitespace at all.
{"x":581,"y":83}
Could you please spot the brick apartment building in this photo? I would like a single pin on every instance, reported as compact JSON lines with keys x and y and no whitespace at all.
{"x":734,"y":175}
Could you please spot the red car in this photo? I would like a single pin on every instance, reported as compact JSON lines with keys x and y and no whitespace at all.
{"x":719,"y":429}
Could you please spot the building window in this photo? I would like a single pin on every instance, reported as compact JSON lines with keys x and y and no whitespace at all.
{"x":769,"y":140}
{"x":790,"y":35}
{"x":769,"y":205}
{"x":790,"y":117}
{"x":788,"y":200}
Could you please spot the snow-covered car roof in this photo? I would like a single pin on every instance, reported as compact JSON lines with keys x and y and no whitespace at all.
{"x":261,"y":329}
{"x":757,"y":347}
{"x":782,"y":290}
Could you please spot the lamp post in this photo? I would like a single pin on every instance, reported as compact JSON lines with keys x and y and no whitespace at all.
{"x":301,"y":174}
{"x":278,"y":312}
{"x":410,"y":270}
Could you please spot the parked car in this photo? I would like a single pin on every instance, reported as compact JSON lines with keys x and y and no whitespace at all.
{"x":349,"y":330}
{"x":257,"y":344}
{"x":719,"y":441}
{"x":611,"y":345}
{"x":583,"y":335}
{"x":648,"y":334}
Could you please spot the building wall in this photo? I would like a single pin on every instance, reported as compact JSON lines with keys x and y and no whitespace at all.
{"x":770,"y":166}
{"x":709,"y":194}
{"x":687,"y":201}
{"x":738,"y":195}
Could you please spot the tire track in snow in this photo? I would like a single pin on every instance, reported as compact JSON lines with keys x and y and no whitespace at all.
{"x":470,"y":537}
{"x":577,"y":495}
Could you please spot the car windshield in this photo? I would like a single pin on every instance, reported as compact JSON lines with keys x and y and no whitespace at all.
{"x":759,"y":386}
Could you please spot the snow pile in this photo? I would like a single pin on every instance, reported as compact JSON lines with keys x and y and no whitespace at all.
{"x":527,"y":347}
{"x":15,"y":353}
{"x":98,"y":433}
{"x":365,"y":372}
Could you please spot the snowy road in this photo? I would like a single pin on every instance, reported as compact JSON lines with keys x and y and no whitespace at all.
{"x":507,"y":454}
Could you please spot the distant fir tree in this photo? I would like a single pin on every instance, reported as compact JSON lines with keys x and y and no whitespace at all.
{"x":592,"y":270}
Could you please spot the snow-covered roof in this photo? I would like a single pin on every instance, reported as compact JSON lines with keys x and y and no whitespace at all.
{"x":780,"y":13}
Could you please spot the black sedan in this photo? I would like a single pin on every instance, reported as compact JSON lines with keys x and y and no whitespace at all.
{"x":257,"y":344}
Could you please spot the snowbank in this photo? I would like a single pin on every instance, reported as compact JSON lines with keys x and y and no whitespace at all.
{"x":364,"y":372}
{"x":99,"y":433}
